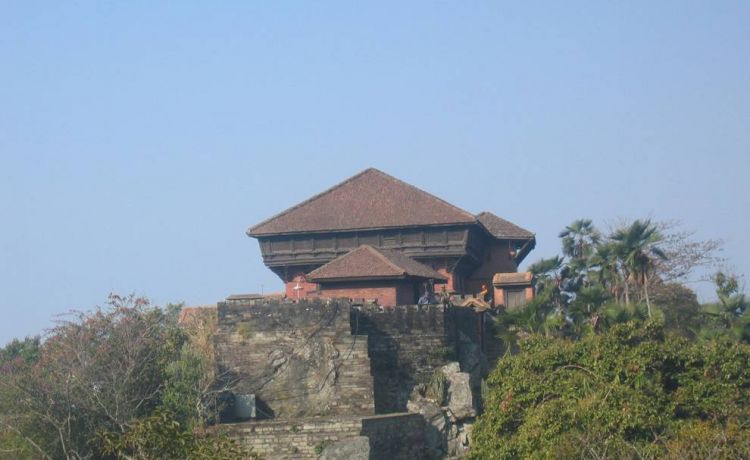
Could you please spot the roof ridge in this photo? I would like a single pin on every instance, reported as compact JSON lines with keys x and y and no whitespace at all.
{"x":251,"y":231}
{"x":385,"y":263}
{"x":332,"y":261}
{"x":427,"y":193}
{"x":312,"y":198}
{"x":380,"y":255}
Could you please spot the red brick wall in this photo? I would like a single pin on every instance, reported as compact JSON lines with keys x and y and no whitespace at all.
{"x":440,"y":265}
{"x":388,"y":293}
{"x":306,"y":288}
{"x":496,"y":260}
{"x":450,"y":285}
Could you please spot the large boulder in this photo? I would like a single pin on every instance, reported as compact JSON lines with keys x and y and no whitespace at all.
{"x":460,"y":399}
{"x":355,"y":448}
{"x":447,"y":405}
{"x":436,"y":427}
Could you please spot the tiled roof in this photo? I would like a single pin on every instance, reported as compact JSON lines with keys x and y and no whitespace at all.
{"x":366,"y":262}
{"x":512,"y":278}
{"x":501,"y":228}
{"x":371,"y":199}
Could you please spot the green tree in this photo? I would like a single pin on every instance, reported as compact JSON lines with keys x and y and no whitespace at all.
{"x":637,"y":246}
{"x":100,"y":373}
{"x":579,"y":240}
{"x":729,"y":315}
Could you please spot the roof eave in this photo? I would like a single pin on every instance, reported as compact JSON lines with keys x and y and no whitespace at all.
{"x":252,"y":234}
{"x":525,"y":249}
{"x":377,"y":278}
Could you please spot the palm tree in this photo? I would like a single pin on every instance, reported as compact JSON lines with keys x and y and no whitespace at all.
{"x":637,"y":248}
{"x":547,"y":272}
{"x":605,"y":261}
{"x":579,"y":239}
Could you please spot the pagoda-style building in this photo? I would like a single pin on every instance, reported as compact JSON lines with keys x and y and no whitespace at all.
{"x":374,"y":236}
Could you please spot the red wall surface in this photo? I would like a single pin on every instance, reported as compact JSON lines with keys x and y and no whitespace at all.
{"x":387,"y":293}
{"x":306,"y":289}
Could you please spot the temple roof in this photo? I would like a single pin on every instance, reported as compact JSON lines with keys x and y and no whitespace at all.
{"x":501,"y":228}
{"x":370,"y":199}
{"x":367,"y":262}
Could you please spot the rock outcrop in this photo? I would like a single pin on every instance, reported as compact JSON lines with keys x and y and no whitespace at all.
{"x":447,"y":405}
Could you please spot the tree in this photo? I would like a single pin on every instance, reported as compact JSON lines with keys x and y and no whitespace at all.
{"x":579,"y":239}
{"x":637,"y":247}
{"x":103,"y":375}
{"x":728,"y":316}
{"x":192,"y":389}
{"x":685,"y":255}
{"x":606,"y":264}
{"x":95,"y":372}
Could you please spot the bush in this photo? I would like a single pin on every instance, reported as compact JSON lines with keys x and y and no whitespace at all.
{"x":632,"y":392}
{"x":161,"y":436}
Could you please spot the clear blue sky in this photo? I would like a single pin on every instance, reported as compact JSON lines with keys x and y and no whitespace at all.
{"x":138,"y":140}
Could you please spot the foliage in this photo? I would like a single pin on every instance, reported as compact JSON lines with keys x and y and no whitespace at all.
{"x":602,"y":279}
{"x":26,"y":350}
{"x":321,"y":446}
{"x":683,"y":314}
{"x":437,"y":387}
{"x":579,"y":239}
{"x":730,"y":315}
{"x":632,"y":392}
{"x":161,"y":436}
{"x":191,"y":390}
{"x":636,"y":247}
{"x":100,"y":372}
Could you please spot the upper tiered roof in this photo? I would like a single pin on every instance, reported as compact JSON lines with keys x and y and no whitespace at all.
{"x":501,"y":228}
{"x":370,"y":199}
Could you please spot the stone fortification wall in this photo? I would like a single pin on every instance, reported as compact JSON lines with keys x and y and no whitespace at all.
{"x":390,"y":437}
{"x":321,"y":370}
{"x":298,"y":359}
{"x":408,"y":344}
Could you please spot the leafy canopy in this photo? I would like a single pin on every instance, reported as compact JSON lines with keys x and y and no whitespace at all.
{"x":629,"y":393}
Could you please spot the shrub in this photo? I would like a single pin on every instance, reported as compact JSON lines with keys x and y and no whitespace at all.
{"x":632,"y":392}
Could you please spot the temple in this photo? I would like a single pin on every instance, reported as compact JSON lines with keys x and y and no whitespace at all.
{"x":376,"y":237}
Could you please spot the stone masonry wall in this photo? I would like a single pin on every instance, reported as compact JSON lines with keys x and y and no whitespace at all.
{"x":391,"y":437}
{"x":272,"y":439}
{"x":320,"y":370}
{"x":405,"y":345}
{"x":395,"y":436}
{"x":298,"y":359}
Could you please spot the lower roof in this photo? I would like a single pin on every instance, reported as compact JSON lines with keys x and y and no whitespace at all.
{"x":367,"y":262}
